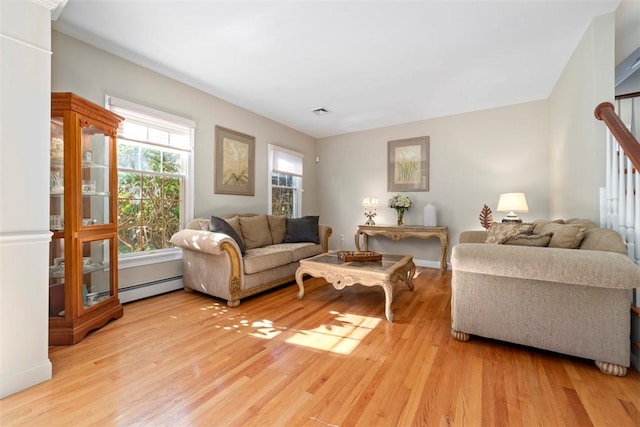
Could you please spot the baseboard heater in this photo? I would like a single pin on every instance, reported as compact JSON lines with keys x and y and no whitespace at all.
{"x":149,"y":289}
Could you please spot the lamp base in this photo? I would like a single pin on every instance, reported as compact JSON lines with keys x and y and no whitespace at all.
{"x":507,"y":220}
{"x":370,"y":222}
{"x":511,"y":218}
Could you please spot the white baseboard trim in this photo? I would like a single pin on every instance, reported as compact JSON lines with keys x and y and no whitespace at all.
{"x":15,"y":382}
{"x":429,"y":264}
{"x":145,"y":290}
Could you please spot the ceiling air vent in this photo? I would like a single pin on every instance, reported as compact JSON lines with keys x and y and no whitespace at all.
{"x":320,"y":111}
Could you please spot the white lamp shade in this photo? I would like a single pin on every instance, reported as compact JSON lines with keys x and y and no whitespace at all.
{"x":513,"y":202}
{"x":370,"y":202}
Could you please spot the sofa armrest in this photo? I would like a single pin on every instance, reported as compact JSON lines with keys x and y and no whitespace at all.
{"x":324,"y":232}
{"x":473,"y":236}
{"x":573,"y":266}
{"x":203,"y":241}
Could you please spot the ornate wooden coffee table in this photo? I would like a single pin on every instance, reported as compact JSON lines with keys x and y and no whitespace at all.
{"x":385,"y":273}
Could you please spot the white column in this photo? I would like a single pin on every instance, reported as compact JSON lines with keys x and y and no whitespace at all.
{"x":25,"y":93}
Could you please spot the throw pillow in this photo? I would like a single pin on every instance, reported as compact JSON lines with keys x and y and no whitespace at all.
{"x":500,"y":232}
{"x":255,"y":231}
{"x":539,"y":224}
{"x":567,"y":236}
{"x":219,"y":225}
{"x":303,"y":229}
{"x":539,"y":240}
{"x":278,"y":227}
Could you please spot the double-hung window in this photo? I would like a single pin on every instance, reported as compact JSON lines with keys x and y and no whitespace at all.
{"x":155,"y":177}
{"x":285,"y":183}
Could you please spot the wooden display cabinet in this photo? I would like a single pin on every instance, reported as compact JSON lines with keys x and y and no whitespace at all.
{"x":83,"y":257}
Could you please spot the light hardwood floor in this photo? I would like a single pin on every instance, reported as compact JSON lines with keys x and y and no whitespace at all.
{"x":184,"y":359}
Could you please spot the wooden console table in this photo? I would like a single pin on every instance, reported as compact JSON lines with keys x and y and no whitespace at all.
{"x":395,"y":232}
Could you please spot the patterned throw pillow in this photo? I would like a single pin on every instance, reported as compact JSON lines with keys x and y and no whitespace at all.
{"x":500,"y":232}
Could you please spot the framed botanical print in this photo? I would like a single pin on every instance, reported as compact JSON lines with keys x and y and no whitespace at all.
{"x":234,"y":163}
{"x":408,"y":164}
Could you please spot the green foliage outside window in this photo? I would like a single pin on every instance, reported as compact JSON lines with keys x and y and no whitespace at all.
{"x":149,"y":197}
{"x":282,"y":194}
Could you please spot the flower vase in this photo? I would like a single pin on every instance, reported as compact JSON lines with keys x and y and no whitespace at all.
{"x":400,"y":217}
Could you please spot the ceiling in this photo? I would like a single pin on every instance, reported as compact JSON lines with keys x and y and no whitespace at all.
{"x":371,"y":63}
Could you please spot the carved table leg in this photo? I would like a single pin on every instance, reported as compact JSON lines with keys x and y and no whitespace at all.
{"x":300,"y":282}
{"x":409,"y":275}
{"x":444,"y":243}
{"x":388,"y":300}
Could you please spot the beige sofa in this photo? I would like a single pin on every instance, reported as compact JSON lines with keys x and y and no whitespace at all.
{"x":213,"y":263}
{"x":571,"y":301}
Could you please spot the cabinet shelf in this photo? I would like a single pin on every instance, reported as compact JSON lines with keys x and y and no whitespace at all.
{"x":59,"y":272}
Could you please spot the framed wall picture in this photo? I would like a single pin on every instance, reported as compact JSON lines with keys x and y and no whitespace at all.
{"x":408,"y":164}
{"x":234,"y":163}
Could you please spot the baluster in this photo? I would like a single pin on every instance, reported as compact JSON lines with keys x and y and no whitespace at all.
{"x":608,"y":179}
{"x":622,"y":208}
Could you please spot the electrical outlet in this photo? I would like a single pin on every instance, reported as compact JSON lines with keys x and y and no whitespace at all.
{"x":342,"y":237}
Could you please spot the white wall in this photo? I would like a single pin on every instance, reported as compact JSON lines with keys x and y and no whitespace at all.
{"x":473,"y":158}
{"x":93,"y":73}
{"x":24,"y":219}
{"x":627,"y":17}
{"x":577,"y":138}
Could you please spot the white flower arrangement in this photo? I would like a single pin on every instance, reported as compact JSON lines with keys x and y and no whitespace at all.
{"x":400,"y":203}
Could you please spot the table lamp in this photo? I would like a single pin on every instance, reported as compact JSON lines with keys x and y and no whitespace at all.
{"x":370,"y":204}
{"x":512,"y":203}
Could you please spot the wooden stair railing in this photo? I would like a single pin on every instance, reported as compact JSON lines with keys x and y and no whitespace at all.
{"x":629,"y":144}
{"x":606,"y":112}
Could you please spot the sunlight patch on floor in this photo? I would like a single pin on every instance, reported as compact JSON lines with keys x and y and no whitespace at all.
{"x":342,"y":337}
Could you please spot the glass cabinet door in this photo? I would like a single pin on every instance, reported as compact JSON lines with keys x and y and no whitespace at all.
{"x":56,"y":219}
{"x":97,"y":279}
{"x":56,"y":176}
{"x":56,"y":278}
{"x":95,"y":183}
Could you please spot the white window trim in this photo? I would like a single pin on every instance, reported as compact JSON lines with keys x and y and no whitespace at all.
{"x":139,"y":259}
{"x":271,"y":148}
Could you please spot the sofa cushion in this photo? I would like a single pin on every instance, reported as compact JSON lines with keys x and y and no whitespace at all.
{"x":234,"y":222}
{"x":499,"y":232}
{"x":303,"y":250}
{"x":586,"y":223}
{"x":538,"y":240}
{"x":266,"y":258}
{"x":539,"y":224}
{"x":567,"y":236}
{"x":278,"y":228}
{"x":219,"y":225}
{"x":603,"y":239}
{"x":255,"y":231}
{"x":303,"y":229}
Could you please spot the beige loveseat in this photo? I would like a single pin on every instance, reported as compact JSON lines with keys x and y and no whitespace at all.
{"x":213,"y":263}
{"x":570,"y":296}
